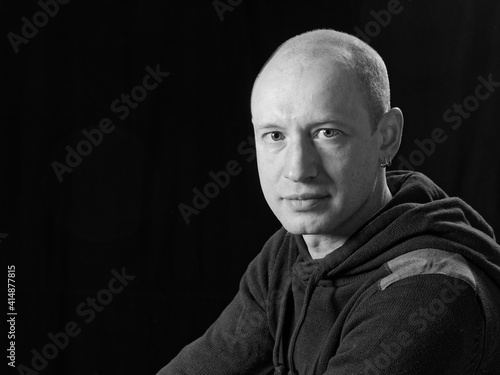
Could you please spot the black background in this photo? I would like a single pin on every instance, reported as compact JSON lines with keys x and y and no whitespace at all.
{"x":119,"y":207}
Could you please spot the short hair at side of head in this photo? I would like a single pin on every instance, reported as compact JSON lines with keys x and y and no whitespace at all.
{"x":368,"y":66}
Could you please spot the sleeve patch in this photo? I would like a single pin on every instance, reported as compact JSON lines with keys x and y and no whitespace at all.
{"x":428,"y":261}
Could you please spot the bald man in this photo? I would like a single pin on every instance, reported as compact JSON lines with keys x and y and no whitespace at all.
{"x":373,"y":272}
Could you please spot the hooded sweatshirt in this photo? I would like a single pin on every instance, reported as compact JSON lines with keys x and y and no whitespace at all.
{"x":416,"y":290}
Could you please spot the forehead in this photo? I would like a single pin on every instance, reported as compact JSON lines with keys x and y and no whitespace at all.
{"x":302,"y":89}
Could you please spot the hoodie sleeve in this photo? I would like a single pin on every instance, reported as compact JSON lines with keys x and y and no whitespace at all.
{"x":425,"y":324}
{"x":239,"y":342}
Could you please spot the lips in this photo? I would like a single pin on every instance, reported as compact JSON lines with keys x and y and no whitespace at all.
{"x":304,"y":202}
{"x":305,"y":196}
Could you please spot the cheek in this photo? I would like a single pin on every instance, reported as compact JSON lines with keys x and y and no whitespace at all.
{"x":268,"y":165}
{"x":364,"y":154}
{"x":267,"y":174}
{"x":354,"y":167}
{"x":364,"y":169}
{"x":339,"y":163}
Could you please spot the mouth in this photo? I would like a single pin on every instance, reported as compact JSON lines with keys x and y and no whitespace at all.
{"x":304,"y":202}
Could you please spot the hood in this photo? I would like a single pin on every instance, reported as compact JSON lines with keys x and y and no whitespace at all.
{"x":420,"y":215}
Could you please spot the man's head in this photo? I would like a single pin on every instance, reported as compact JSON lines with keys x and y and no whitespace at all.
{"x":365,"y":62}
{"x":323,"y":125}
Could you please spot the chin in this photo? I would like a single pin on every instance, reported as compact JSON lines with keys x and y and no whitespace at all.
{"x":308,"y":225}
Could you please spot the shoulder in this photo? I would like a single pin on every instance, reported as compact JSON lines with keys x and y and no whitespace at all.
{"x":280,"y":238}
{"x":428,"y":262}
{"x":279,"y":249}
{"x":430,"y":279}
{"x":428,"y":306}
{"x":271,"y":266}
{"x":268,"y":259}
{"x":440,"y":296}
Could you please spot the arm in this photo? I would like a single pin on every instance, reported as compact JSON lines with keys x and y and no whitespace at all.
{"x":426,"y":324}
{"x":239,"y":342}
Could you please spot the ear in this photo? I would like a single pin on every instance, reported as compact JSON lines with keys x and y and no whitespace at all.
{"x":390,"y":129}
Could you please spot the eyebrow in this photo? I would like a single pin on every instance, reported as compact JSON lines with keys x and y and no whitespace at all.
{"x":313,"y":124}
{"x":268,"y":126}
{"x":330,"y":121}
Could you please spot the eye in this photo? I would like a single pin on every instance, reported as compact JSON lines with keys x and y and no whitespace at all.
{"x":275,"y":136}
{"x":328,"y":133}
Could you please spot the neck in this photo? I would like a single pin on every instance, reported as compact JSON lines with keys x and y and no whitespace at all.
{"x":320,"y":245}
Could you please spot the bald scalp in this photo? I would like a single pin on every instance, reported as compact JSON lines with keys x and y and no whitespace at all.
{"x":368,"y":67}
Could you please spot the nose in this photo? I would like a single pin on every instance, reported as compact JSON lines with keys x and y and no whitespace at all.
{"x":301,"y":161}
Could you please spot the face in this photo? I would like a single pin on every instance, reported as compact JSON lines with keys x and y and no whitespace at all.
{"x":318,"y":159}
